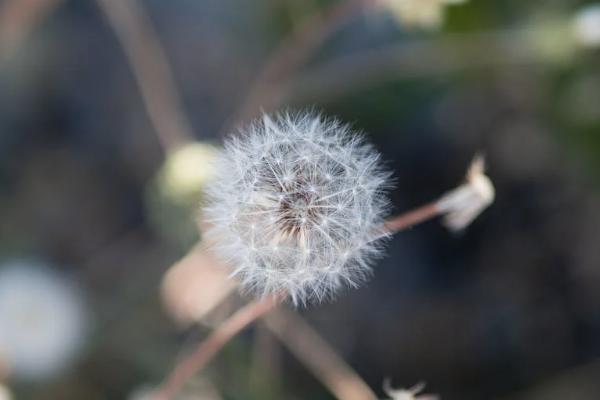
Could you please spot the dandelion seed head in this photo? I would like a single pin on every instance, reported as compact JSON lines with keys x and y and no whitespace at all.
{"x":314,"y":193}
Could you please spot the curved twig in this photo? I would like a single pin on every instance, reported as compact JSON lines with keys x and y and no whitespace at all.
{"x":269,"y":86}
{"x":193,"y":363}
{"x":140,"y":42}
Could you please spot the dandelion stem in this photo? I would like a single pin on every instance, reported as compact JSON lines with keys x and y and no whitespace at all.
{"x":193,"y":363}
{"x":318,"y":356}
{"x":411,"y":218}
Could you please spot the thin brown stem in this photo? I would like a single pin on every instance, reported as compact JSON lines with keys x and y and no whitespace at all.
{"x":18,"y":18}
{"x":269,"y":87}
{"x":411,"y":218}
{"x":151,"y":70}
{"x":329,"y":368}
{"x":193,"y":363}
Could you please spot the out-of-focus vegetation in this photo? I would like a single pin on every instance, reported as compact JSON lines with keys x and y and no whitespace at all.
{"x":510,"y":309}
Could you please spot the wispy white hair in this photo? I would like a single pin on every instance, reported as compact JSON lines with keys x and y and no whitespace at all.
{"x":295,"y":204}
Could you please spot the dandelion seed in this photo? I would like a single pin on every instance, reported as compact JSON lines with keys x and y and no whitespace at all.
{"x":306,"y":209}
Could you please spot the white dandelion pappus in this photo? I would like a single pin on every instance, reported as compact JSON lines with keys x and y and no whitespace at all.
{"x":294,"y":206}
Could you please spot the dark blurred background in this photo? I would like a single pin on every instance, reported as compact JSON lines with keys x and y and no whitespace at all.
{"x":510,"y":309}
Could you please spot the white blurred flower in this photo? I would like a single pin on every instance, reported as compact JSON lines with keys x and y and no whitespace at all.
{"x":426,"y":14}
{"x":408,"y":394}
{"x":5,"y":393}
{"x":586,"y":25}
{"x":463,"y":204}
{"x":42,"y":322}
{"x":172,"y":197}
{"x":294,"y":205}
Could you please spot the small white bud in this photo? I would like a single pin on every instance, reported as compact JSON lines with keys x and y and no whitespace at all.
{"x":463,"y":204}
{"x":186,"y":170}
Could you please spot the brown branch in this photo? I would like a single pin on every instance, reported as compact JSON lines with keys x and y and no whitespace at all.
{"x":329,"y":368}
{"x":151,"y":69}
{"x":18,"y":18}
{"x":193,"y":363}
{"x":268,"y":88}
{"x":411,"y":218}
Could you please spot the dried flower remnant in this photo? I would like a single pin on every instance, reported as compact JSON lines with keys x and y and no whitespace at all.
{"x":408,"y":394}
{"x":294,"y":205}
{"x":424,"y":14}
{"x":463,"y":204}
{"x":459,"y":207}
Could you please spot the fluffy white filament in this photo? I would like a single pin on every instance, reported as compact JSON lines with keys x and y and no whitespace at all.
{"x":294,"y":206}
